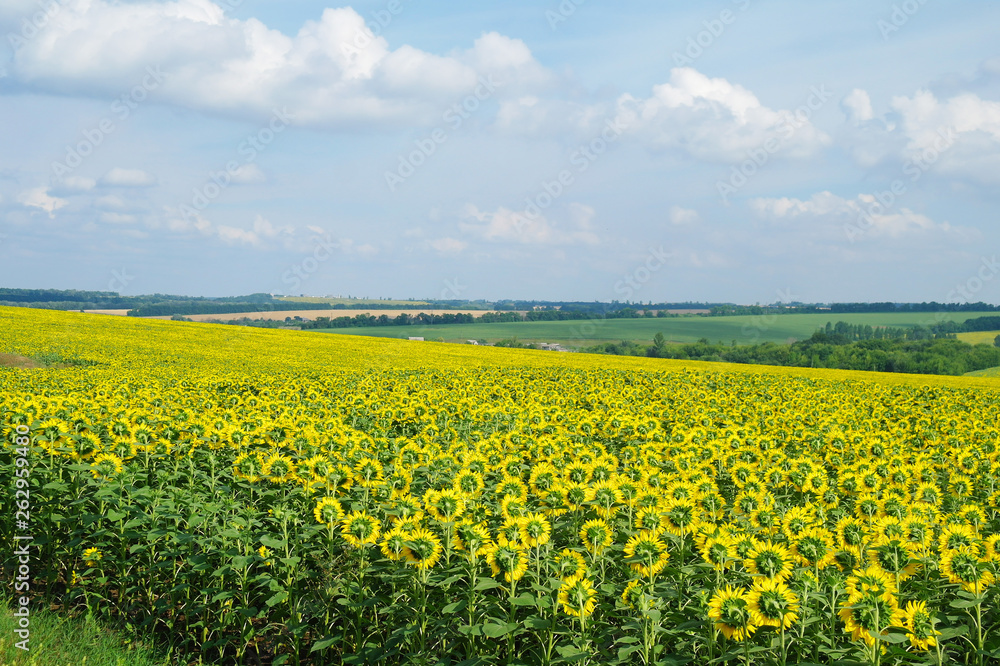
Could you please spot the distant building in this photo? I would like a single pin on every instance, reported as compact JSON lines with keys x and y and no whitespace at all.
{"x":472,"y":342}
{"x":416,"y":339}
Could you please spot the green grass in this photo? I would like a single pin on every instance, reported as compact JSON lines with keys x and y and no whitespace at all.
{"x":988,"y":372}
{"x":368,"y":302}
{"x":57,"y":640}
{"x":577,"y":334}
{"x":979,"y":337}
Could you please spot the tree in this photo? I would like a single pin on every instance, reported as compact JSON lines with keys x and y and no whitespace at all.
{"x":996,"y":341}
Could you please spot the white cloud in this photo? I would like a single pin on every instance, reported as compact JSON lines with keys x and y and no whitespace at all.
{"x":683,"y":216}
{"x":117,"y":218}
{"x":75,"y":185}
{"x":508,"y":226}
{"x":858,"y":107}
{"x":262,"y":230}
{"x":956,"y":137}
{"x":39,"y":198}
{"x":448,"y":245}
{"x":715,"y":120}
{"x":119,"y":177}
{"x":248,"y":174}
{"x":863,"y":215}
{"x":332,"y":73}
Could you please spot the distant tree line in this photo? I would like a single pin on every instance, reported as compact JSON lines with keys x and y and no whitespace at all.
{"x":841,"y":346}
{"x":727,"y":310}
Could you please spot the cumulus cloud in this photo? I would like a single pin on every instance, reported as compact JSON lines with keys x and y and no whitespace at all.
{"x":333,"y":73}
{"x":683,"y":216}
{"x":119,"y":177}
{"x":858,"y":107}
{"x":39,"y":197}
{"x":448,"y":245}
{"x":261,"y":231}
{"x":863,"y":215}
{"x":507,"y":226}
{"x":957,"y":137}
{"x":715,"y":120}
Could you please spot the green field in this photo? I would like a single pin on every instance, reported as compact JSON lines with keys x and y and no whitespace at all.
{"x":988,"y":372}
{"x":365,"y":302}
{"x":979,"y":337}
{"x":576,"y":334}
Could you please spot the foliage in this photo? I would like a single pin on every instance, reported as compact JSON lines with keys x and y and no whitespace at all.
{"x":287,"y":497}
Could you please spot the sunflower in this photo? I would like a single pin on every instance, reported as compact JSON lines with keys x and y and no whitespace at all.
{"x":469,"y":483}
{"x":636,"y":595}
{"x":535,"y":529}
{"x":445,"y":505}
{"x":966,"y":567}
{"x":607,"y":499}
{"x":569,"y":563}
{"x":368,"y":472}
{"x":719,"y":551}
{"x":814,"y":547}
{"x":106,"y":466}
{"x":772,"y":604}
{"x":770,"y":560}
{"x":871,"y":580}
{"x":578,"y":596}
{"x":894,"y":556}
{"x":328,"y":511}
{"x":955,"y":536}
{"x":423,"y":549}
{"x":509,"y":559}
{"x":647,"y":553}
{"x":278,"y":469}
{"x":394,"y":544}
{"x":596,"y":535}
{"x":866,"y":614}
{"x":680,"y":516}
{"x":729,"y":609}
{"x":360,"y":529}
{"x":471,"y":538}
{"x":919,"y":623}
{"x":91,"y":556}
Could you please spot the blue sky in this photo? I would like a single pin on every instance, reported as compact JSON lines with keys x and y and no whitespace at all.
{"x":747,"y":150}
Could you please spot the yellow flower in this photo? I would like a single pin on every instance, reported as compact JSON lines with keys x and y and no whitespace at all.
{"x":770,"y":560}
{"x":328,"y":511}
{"x":535,"y":530}
{"x":920,"y":625}
{"x":772,"y":603}
{"x":106,"y":466}
{"x":91,"y":556}
{"x":360,"y":529}
{"x":423,"y":549}
{"x":647,"y":553}
{"x":729,"y":609}
{"x":578,"y":596}
{"x":596,"y":535}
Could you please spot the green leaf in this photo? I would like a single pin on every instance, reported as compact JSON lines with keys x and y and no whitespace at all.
{"x":324,"y":643}
{"x":486,"y":584}
{"x":454,"y":607}
{"x":495,"y":630}
{"x":277,"y":598}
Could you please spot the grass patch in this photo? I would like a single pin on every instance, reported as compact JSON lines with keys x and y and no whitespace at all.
{"x":979,"y":337}
{"x":988,"y":372}
{"x":18,"y":361}
{"x":57,"y":640}
{"x":744,"y":329}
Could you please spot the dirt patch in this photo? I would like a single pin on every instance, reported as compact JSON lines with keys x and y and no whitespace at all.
{"x":17,"y":361}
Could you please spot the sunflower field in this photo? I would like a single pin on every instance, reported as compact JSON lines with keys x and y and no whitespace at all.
{"x":251,"y":496}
